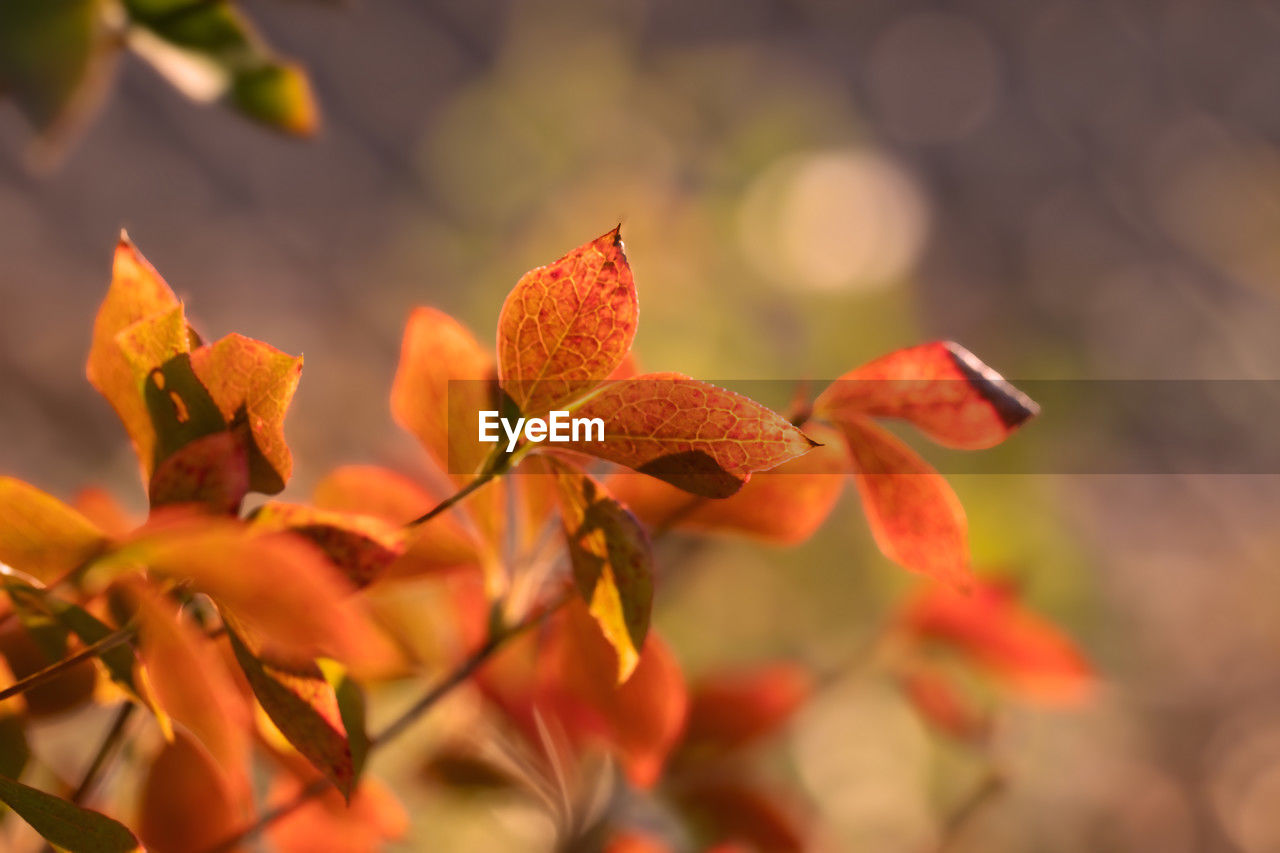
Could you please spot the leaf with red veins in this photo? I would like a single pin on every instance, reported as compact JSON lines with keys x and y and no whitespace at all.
{"x":612,"y":563}
{"x":728,"y":710}
{"x":442,"y":383}
{"x":362,"y":546}
{"x":915,"y":517}
{"x":700,"y":438}
{"x":567,"y":326}
{"x":304,"y":707}
{"x":991,"y":629}
{"x":137,"y":292}
{"x":786,"y":505}
{"x":393,"y":497}
{"x":42,"y":536}
{"x":941,"y":388}
{"x":243,"y":373}
{"x":212,"y":471}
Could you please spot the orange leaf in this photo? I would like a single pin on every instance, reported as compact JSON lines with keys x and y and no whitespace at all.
{"x":386,"y":494}
{"x":992,"y":630}
{"x":101,"y":508}
{"x":304,"y":707}
{"x":441,"y":385}
{"x":729,"y":710}
{"x":701,"y":438}
{"x":212,"y":471}
{"x":241,"y":372}
{"x":137,"y":292}
{"x":373,"y":817}
{"x":185,"y":803}
{"x":940,"y":702}
{"x":191,"y":685}
{"x":785,"y":505}
{"x":636,"y":842}
{"x":42,"y":536}
{"x":566,"y":326}
{"x":640,"y":720}
{"x":612,"y":563}
{"x":915,"y":517}
{"x":278,"y":585}
{"x":940,"y":387}
{"x":362,"y":546}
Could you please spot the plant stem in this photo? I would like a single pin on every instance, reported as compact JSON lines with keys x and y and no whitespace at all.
{"x":397,"y":726}
{"x":35,"y":679}
{"x":448,"y":502}
{"x":105,"y":752}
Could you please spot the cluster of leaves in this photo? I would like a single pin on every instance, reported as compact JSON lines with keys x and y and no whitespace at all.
{"x":248,"y":638}
{"x":57,"y":58}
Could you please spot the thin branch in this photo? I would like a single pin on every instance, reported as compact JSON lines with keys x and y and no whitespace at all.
{"x":990,"y":787}
{"x":398,"y":726}
{"x":105,"y":752}
{"x":449,"y":502}
{"x":115,"y":638}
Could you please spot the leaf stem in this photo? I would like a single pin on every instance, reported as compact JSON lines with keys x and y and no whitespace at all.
{"x":110,"y":641}
{"x":497,"y":639}
{"x":449,"y":502}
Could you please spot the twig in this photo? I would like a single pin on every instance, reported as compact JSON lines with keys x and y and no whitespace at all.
{"x":105,"y":752}
{"x":991,"y":786}
{"x":115,"y":638}
{"x":449,"y":502}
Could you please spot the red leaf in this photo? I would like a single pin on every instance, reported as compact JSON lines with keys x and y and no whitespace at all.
{"x":741,"y":812}
{"x":785,"y":505}
{"x":940,"y":702}
{"x":915,"y":517}
{"x":940,"y":387}
{"x":992,"y":630}
{"x":732,"y":709}
{"x":701,"y":438}
{"x":441,"y":385}
{"x":567,"y":326}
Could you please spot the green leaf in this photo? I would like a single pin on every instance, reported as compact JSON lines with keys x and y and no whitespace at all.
{"x":181,"y":408}
{"x":47,"y":48}
{"x":304,"y":707}
{"x":64,"y":824}
{"x":14,"y":750}
{"x":278,"y":95}
{"x":353,"y":710}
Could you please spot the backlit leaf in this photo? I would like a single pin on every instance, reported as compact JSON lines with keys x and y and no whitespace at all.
{"x":612,"y":563}
{"x":915,"y":517}
{"x":785,"y":505}
{"x":304,"y":707}
{"x":64,"y":824}
{"x":362,"y":546}
{"x":940,"y":387}
{"x":372,"y":818}
{"x":243,"y":373}
{"x":701,"y":438}
{"x":42,"y":536}
{"x":991,"y":629}
{"x":567,"y":326}
{"x":137,"y":292}
{"x":440,"y":386}
{"x":186,"y":802}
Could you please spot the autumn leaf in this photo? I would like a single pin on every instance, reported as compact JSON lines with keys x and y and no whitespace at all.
{"x":441,"y":385}
{"x":939,"y":701}
{"x":372,"y":818}
{"x":940,"y":387}
{"x":242,"y":373}
{"x":26,"y":654}
{"x":186,"y":802}
{"x":785,"y":505}
{"x":698,"y":437}
{"x":394,"y":498}
{"x":730,"y":709}
{"x":612,"y":563}
{"x":915,"y":517}
{"x":41,"y":535}
{"x":992,"y":630}
{"x":191,"y":685}
{"x":362,"y":546}
{"x":65,"y":824}
{"x":567,"y":326}
{"x":278,"y":584}
{"x":137,"y":292}
{"x":734,"y":810}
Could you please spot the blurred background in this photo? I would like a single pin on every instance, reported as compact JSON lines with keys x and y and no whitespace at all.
{"x":1073,"y":191}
